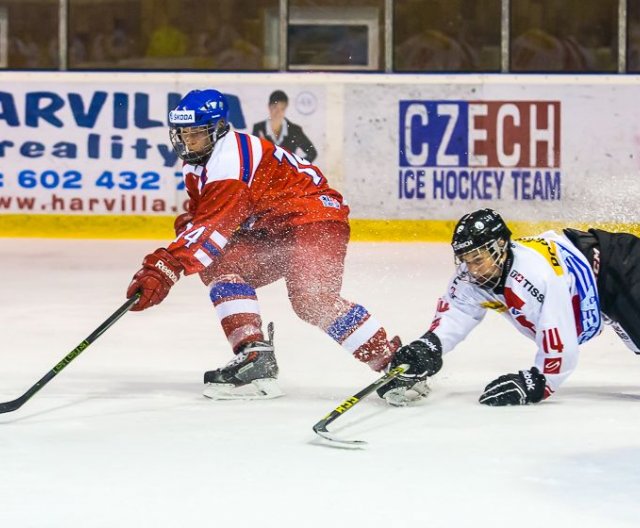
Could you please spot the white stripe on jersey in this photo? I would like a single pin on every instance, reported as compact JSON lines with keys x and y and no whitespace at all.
{"x":228,"y":156}
{"x":218,"y":239}
{"x":187,"y":168}
{"x":203,"y":258}
{"x":256,"y":153}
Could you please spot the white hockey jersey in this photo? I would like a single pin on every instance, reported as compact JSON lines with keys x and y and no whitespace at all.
{"x":549,"y":295}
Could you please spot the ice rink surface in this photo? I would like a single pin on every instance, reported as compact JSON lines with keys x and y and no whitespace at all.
{"x":123,"y":437}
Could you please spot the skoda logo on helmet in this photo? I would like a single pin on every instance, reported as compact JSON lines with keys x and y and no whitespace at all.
{"x":182,"y":116}
{"x":479,"y":225}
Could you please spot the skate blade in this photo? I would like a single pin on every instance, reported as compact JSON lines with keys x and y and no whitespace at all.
{"x":259,"y":389}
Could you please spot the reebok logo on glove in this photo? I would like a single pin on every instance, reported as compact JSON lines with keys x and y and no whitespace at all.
{"x":434,"y":347}
{"x":159,"y":272}
{"x":167,"y":271}
{"x":528,"y":381}
{"x":527,"y":386}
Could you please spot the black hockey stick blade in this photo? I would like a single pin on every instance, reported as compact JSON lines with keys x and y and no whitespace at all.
{"x":342,"y":442}
{"x":19,"y":402}
{"x":321,"y":427}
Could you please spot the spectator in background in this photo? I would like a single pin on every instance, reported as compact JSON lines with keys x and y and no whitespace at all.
{"x":79,"y":48}
{"x":241,"y":55}
{"x":97,"y":50}
{"x":282,"y":132}
{"x":433,"y":50}
{"x":538,"y":50}
{"x":435,"y":41}
{"x":167,"y":40}
{"x":24,"y":52}
{"x":119,"y":44}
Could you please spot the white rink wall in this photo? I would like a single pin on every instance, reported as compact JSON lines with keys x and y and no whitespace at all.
{"x":400,"y":147}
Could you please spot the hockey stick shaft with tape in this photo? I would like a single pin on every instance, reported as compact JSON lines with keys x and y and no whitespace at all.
{"x":19,"y":402}
{"x":320,"y":428}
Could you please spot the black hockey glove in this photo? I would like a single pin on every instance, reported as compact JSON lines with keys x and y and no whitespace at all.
{"x":527,"y":386}
{"x":424,"y":357}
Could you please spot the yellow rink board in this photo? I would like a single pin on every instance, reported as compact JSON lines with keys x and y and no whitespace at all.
{"x":161,"y":228}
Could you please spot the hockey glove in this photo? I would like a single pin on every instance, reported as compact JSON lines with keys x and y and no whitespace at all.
{"x":527,"y":386}
{"x":424,"y":357}
{"x":160,"y":270}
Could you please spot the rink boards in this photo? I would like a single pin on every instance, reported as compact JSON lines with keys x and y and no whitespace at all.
{"x":88,"y":154}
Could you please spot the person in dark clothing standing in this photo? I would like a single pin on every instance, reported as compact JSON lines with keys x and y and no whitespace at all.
{"x":282,"y":132}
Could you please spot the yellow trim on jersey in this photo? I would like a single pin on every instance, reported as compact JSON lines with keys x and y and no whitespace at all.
{"x":161,"y":227}
{"x":546,"y":248}
{"x":494,"y":305}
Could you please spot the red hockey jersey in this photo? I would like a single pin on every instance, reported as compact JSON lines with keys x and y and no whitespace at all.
{"x":250,"y":183}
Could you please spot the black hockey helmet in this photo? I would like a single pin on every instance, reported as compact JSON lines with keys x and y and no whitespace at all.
{"x":476,"y":229}
{"x":475,"y":232}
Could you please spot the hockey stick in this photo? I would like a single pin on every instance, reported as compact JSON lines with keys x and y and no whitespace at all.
{"x":321,"y":427}
{"x":19,"y":402}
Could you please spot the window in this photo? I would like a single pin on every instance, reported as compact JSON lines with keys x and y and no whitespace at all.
{"x":169,"y":34}
{"x":29,"y":34}
{"x":321,"y":41}
{"x":335,"y":35}
{"x":446,"y":35}
{"x":633,"y":36}
{"x":564,"y":35}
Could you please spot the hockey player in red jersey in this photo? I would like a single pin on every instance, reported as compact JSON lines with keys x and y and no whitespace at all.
{"x":257,"y":214}
{"x":556,"y":289}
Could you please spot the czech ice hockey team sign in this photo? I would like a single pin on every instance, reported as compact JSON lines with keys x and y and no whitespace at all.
{"x":479,"y":150}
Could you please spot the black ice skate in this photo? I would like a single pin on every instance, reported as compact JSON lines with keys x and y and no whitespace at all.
{"x":250,"y":375}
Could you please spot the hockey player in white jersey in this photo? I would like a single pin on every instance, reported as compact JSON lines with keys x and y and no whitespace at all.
{"x":556,"y":289}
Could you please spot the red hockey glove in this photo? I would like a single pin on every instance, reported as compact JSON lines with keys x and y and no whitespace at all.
{"x":160,"y":270}
{"x":181,"y":222}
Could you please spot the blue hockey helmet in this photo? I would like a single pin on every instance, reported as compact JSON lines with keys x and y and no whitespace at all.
{"x":199,"y":120}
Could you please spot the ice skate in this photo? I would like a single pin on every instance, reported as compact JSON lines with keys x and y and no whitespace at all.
{"x":250,"y":375}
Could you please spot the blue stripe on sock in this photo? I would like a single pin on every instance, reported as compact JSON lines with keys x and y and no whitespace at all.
{"x":222,"y":290}
{"x":346,"y":323}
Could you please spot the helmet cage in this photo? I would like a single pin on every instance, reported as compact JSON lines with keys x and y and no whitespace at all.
{"x":201,"y":112}
{"x":178,"y":134}
{"x":494,"y":254}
